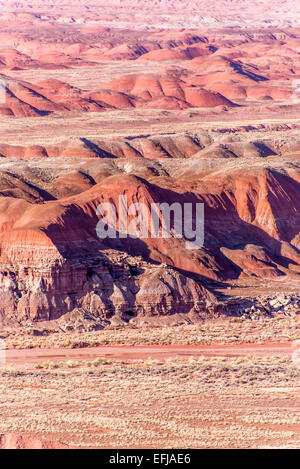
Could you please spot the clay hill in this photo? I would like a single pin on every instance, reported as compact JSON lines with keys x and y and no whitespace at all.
{"x":92,"y":59}
{"x":53,"y":263}
{"x":23,"y":99}
{"x":174,"y":102}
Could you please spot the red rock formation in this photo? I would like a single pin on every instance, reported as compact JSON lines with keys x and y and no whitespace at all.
{"x":52,"y":261}
{"x":166,"y":92}
{"x":201,"y":108}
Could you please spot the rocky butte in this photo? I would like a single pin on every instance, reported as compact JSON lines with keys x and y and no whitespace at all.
{"x":168,"y":103}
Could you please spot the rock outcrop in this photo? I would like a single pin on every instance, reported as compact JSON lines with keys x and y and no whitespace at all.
{"x":53,"y":262}
{"x":101,"y":103}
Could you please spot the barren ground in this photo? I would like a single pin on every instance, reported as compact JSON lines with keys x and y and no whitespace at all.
{"x":241,"y":402}
{"x":161,"y":101}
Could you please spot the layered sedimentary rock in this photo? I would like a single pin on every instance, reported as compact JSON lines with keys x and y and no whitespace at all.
{"x":185,"y":103}
{"x":53,"y":262}
{"x":240,"y":142}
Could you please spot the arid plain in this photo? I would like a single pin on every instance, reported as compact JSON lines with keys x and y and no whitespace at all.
{"x":142,"y":342}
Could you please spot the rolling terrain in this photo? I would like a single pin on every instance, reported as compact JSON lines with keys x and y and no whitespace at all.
{"x":154,"y":102}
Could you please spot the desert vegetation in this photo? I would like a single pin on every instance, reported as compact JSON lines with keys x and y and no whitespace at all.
{"x":143,"y":341}
{"x":204,"y":403}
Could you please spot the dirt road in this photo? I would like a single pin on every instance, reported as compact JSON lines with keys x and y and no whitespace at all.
{"x":140,"y":352}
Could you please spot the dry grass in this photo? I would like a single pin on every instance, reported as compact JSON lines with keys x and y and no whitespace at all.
{"x":226,"y":331}
{"x":200,"y":403}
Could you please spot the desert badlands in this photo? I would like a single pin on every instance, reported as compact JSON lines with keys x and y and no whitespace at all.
{"x":137,"y":340}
